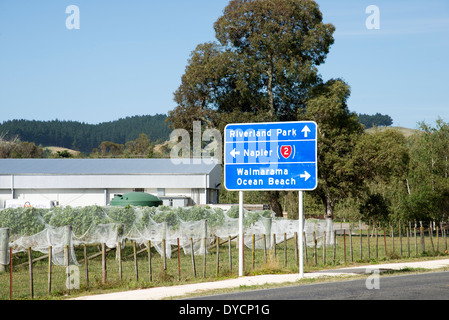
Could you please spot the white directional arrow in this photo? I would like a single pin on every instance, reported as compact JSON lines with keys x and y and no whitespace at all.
{"x":306,"y":175}
{"x":306,"y":131}
{"x":234,"y":153}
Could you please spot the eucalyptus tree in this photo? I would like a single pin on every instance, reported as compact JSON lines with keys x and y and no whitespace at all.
{"x":262,"y":67}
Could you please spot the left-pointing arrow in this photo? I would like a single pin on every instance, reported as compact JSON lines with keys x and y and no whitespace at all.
{"x":234,"y":153}
{"x":306,"y":175}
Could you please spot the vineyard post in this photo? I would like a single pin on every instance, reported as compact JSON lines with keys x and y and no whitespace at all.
{"x":324,"y":248}
{"x":230,"y":253}
{"x":253,"y":250}
{"x":296,"y":247}
{"x":350,"y":244}
{"x":204,"y":244}
{"x":179,"y":260}
{"x":119,"y":256}
{"x":30,"y":263}
{"x":335,"y":245}
{"x":192,"y":253}
{"x":217,"y":270}
{"x":4,"y":249}
{"x":285,"y":249}
{"x":49,"y":268}
{"x":265,"y":248}
{"x":361,"y":244}
{"x":164,"y":249}
{"x":86,"y":265}
{"x":136,"y":267}
{"x":150,"y":271}
{"x":103,"y":264}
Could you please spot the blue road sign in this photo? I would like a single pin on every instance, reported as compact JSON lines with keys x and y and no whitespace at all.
{"x":271,"y":156}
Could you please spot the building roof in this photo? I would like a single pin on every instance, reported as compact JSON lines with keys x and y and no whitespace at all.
{"x":105,"y":166}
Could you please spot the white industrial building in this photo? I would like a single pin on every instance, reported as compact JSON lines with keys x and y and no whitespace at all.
{"x":83,"y":182}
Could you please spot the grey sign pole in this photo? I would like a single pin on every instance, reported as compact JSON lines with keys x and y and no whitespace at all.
{"x":300,"y":235}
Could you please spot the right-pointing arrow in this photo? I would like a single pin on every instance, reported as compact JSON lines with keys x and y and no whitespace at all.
{"x":306,"y":175}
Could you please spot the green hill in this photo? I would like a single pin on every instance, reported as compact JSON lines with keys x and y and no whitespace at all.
{"x":84,"y":137}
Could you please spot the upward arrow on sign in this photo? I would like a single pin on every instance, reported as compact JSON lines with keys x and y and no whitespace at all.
{"x":306,"y":131}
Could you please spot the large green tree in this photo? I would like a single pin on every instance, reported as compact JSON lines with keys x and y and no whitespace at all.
{"x":338,"y":133}
{"x":427,"y":182}
{"x":263,"y":66}
{"x":265,"y":62}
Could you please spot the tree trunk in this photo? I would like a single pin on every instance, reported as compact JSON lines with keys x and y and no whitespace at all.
{"x":329,"y":207}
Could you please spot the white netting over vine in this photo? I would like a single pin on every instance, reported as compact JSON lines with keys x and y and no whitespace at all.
{"x":40,"y":228}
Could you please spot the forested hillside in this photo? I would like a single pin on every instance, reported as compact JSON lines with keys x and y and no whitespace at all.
{"x":83,"y":136}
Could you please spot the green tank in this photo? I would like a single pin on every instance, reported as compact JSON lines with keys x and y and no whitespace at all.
{"x":136,"y":199}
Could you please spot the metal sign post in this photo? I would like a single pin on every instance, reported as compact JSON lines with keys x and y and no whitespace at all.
{"x":271,"y":156}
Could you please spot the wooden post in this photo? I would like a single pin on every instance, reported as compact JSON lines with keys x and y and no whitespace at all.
{"x":361,"y":243}
{"x":369,"y":243}
{"x":438,"y":237}
{"x":164,"y":253}
{"x":350,"y":244}
{"x":150,"y":269}
{"x":274,"y":245}
{"x":416,"y":240}
{"x":431,"y":238}
{"x":253,"y":251}
{"x":192,"y":253}
{"x":179,"y":261}
{"x":314,"y":248}
{"x":67,"y":264}
{"x":305,"y":245}
{"x":423,"y":243}
{"x":119,"y":256}
{"x":392,"y":238}
{"x":400,"y":238}
{"x":324,"y":248}
{"x":204,"y":256}
{"x":344,"y":242}
{"x":377,"y":246}
{"x":385,"y":242}
{"x":296,"y":247}
{"x":30,"y":263}
{"x":217,"y":268}
{"x":49,"y":268}
{"x":335,"y":245}
{"x":204,"y":247}
{"x":103,"y":264}
{"x":136,"y":267}
{"x":86,"y":265}
{"x":265,"y":248}
{"x":407,"y":229}
{"x":230,"y":253}
{"x":4,"y":249}
{"x":285,"y":249}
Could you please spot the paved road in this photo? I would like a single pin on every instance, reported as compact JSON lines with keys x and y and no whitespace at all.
{"x":429,"y":286}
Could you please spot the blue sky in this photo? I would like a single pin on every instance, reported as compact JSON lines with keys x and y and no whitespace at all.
{"x":128,"y":57}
